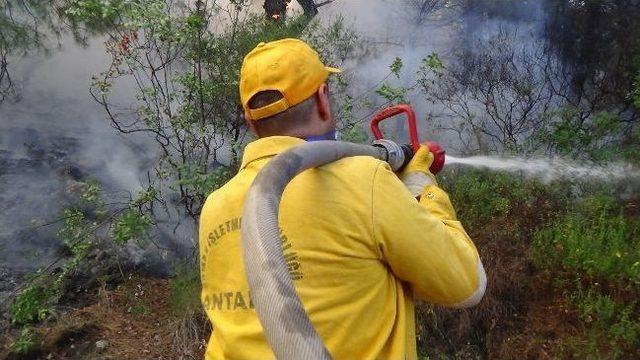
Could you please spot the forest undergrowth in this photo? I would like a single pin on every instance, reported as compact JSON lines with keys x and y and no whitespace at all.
{"x":562,"y":262}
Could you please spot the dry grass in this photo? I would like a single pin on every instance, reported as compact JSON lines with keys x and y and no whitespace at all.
{"x":190,"y":333}
{"x":133,"y":318}
{"x":521,"y":315}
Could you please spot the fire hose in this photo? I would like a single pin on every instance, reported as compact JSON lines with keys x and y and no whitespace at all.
{"x":286,"y":325}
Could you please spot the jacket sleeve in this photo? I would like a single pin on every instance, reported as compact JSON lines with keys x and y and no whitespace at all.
{"x":424,"y":244}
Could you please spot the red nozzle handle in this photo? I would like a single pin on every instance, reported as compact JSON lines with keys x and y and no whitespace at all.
{"x":434,"y":147}
{"x":393,"y":111}
{"x":438,"y":157}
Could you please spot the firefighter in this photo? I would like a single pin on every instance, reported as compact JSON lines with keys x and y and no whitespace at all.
{"x":362,"y":243}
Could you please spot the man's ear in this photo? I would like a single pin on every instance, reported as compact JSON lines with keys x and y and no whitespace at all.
{"x":250,"y":124}
{"x":324,"y":105}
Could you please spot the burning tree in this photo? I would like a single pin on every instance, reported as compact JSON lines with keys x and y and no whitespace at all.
{"x":277,"y":9}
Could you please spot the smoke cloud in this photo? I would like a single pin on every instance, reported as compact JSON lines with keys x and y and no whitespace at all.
{"x":51,"y":139}
{"x":399,"y":29}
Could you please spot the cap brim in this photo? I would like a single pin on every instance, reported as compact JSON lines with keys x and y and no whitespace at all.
{"x":333,"y":70}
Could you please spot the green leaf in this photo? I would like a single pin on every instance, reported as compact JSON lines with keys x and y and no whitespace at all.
{"x":433,"y":62}
{"x":396,"y":66}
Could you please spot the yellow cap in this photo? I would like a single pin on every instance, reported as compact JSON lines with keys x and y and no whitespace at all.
{"x":289,"y":66}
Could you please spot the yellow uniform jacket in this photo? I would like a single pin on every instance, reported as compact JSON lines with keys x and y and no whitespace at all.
{"x":359,"y":247}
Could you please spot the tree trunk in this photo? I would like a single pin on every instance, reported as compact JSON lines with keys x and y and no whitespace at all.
{"x":309,"y":7}
{"x":277,"y":9}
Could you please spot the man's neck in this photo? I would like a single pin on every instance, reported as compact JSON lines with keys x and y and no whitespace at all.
{"x":329,"y":135}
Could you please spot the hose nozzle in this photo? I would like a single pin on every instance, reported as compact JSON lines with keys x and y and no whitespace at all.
{"x":394,"y":153}
{"x":438,"y":157}
{"x":397,"y":155}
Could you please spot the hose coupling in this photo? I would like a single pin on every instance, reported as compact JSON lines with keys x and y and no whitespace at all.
{"x":397,"y":155}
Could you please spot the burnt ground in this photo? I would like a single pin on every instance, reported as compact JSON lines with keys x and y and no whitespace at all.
{"x":522,"y":315}
{"x":134,"y":319}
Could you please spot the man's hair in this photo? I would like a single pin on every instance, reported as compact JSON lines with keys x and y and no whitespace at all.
{"x":283,"y":123}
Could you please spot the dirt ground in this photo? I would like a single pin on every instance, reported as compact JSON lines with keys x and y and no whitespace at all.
{"x":135,"y":321}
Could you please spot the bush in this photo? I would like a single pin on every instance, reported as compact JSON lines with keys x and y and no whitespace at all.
{"x":132,"y":225}
{"x":141,"y":309}
{"x":480,"y":197}
{"x":35,"y":303}
{"x":191,"y":326}
{"x":185,"y":58}
{"x":25,"y":342}
{"x":185,"y":291}
{"x":593,"y":255}
{"x":31,"y":305}
{"x":601,"y":247}
{"x":613,"y":327}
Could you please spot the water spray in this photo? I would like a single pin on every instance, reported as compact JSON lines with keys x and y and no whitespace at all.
{"x":550,"y":169}
{"x":545,"y":169}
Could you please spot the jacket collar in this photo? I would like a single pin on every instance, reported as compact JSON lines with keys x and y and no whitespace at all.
{"x":268,"y":147}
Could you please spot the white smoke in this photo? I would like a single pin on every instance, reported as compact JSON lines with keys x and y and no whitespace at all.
{"x":53,"y":137}
{"x":392,"y":28}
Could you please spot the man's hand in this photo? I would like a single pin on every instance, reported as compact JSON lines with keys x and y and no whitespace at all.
{"x":416,"y":175}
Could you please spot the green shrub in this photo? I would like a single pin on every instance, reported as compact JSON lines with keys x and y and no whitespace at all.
{"x":185,"y":291}
{"x":601,"y":247}
{"x":132,"y":225}
{"x":25,"y":342}
{"x":635,"y":93}
{"x":190,"y":323}
{"x":353,"y":133}
{"x":35,"y":302}
{"x":480,"y":197}
{"x":594,"y":256}
{"x":31,"y":305}
{"x":141,"y":309}
{"x":74,"y":234}
{"x":613,"y":327}
{"x":203,"y":182}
